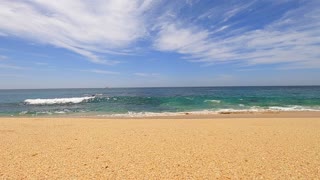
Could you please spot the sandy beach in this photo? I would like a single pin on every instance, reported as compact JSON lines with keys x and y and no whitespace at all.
{"x":218,"y":147}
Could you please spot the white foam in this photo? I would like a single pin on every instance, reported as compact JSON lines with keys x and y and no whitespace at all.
{"x":159,"y":114}
{"x":255,"y":109}
{"x":44,"y":112}
{"x":213,"y":101}
{"x":240,"y":110}
{"x":272,"y":109}
{"x":143,"y":114}
{"x":59,"y":112}
{"x":294,"y":108}
{"x":74,"y":100}
{"x":23,"y":112}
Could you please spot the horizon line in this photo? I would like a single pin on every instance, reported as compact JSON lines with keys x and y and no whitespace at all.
{"x":159,"y":87}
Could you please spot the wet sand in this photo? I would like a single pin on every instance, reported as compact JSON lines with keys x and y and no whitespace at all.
{"x":197,"y":147}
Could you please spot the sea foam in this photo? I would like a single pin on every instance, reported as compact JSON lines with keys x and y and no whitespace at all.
{"x":73,"y":100}
{"x":294,"y":108}
{"x":212,"y":101}
{"x":160,"y":114}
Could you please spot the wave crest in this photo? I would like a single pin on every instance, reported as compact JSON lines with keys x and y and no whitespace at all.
{"x":73,"y":100}
{"x":213,"y":101}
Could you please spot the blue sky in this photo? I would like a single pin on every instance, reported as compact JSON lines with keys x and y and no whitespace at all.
{"x":143,"y":43}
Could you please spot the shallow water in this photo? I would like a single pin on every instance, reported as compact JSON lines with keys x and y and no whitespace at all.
{"x":152,"y":101}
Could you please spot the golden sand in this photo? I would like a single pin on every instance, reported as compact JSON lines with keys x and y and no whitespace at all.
{"x":81,"y":148}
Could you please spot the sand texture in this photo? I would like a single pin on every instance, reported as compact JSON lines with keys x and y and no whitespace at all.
{"x":234,"y":148}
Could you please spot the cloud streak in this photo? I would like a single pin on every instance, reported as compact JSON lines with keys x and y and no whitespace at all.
{"x":98,"y":71}
{"x":293,"y":40}
{"x":235,"y":32}
{"x":14,"y":67}
{"x":84,"y":27}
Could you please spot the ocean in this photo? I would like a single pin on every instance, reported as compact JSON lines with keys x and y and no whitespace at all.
{"x":157,"y":101}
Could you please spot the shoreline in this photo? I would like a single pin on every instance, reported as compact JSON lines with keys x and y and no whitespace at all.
{"x":185,"y":115}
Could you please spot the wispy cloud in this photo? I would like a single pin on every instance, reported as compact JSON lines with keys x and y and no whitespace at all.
{"x":8,"y":66}
{"x":98,"y":71}
{"x":219,"y":33}
{"x":294,"y":42}
{"x":2,"y":34}
{"x":3,"y":57}
{"x":84,"y":27}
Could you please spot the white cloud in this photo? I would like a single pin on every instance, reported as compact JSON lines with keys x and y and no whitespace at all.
{"x":103,"y":27}
{"x":84,"y":27}
{"x":236,"y":10}
{"x":172,"y":38}
{"x":293,"y":40}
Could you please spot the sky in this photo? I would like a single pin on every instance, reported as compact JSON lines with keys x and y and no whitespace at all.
{"x":158,"y":43}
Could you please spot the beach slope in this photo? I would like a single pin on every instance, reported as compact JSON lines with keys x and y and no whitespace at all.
{"x":83,"y":148}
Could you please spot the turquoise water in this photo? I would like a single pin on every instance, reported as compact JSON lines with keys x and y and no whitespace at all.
{"x":151,"y":101}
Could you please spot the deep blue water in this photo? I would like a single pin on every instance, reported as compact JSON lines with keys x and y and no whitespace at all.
{"x":123,"y":101}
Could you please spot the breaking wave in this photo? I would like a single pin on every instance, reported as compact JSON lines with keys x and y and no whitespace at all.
{"x":213,"y":101}
{"x":73,"y":100}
